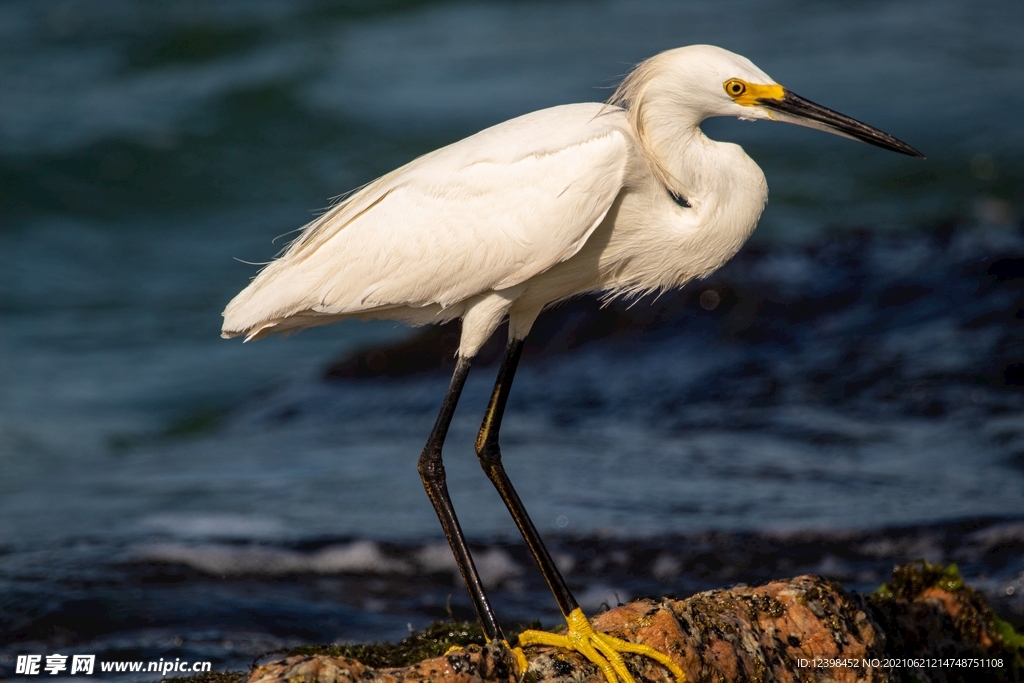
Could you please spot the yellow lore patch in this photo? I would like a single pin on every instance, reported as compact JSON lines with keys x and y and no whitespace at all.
{"x":748,"y":94}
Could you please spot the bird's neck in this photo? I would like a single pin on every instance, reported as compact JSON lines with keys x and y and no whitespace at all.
{"x":724,"y":187}
{"x":689,"y":165}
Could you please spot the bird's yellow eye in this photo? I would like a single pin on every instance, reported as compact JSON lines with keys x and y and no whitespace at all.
{"x":735,"y":87}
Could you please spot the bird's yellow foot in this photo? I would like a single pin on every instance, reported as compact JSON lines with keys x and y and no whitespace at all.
{"x":521,"y":664}
{"x":600,"y":648}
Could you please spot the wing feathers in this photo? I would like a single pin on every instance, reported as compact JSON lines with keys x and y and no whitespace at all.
{"x":484,"y":214}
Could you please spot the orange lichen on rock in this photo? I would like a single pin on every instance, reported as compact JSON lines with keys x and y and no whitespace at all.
{"x":801,"y":630}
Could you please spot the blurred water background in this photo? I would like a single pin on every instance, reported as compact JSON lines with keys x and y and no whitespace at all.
{"x":849,"y":395}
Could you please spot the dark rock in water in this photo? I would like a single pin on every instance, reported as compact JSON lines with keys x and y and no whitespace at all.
{"x":914,"y":321}
{"x":1008,"y":268}
{"x":427,"y":351}
{"x":431,"y":349}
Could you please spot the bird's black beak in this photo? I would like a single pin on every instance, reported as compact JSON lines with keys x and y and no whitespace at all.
{"x":795,"y":109}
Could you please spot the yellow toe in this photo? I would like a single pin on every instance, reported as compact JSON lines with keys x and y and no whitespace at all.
{"x":517,"y":654}
{"x":521,"y":664}
{"x":600,"y":648}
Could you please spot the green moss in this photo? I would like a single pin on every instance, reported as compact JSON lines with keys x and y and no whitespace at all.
{"x":1008,"y":635}
{"x":910,"y":580}
{"x":883,"y":592}
{"x":1013,"y":643}
{"x":433,"y":641}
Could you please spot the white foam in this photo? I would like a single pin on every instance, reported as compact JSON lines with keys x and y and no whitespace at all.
{"x":356,"y":557}
{"x":998,"y":534}
{"x":359,"y":557}
{"x":214,"y":525}
{"x":494,"y":565}
{"x":436,"y":557}
{"x":666,"y":567}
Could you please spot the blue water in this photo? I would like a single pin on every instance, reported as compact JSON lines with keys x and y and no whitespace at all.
{"x":145,"y":149}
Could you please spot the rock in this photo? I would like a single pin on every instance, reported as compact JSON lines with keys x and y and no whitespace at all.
{"x":472,"y":664}
{"x":924,"y":625}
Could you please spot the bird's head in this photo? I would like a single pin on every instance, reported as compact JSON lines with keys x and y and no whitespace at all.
{"x":702,"y":81}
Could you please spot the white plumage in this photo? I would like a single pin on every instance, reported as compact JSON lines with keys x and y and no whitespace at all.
{"x":623,"y":198}
{"x":567,"y":200}
{"x":552,"y":204}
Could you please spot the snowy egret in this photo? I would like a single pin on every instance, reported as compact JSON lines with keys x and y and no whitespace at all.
{"x":624,"y":198}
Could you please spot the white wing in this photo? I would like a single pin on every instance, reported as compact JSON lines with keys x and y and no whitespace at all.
{"x":483,"y":214}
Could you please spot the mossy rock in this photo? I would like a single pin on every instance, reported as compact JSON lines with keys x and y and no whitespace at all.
{"x":967,"y":624}
{"x":433,"y":641}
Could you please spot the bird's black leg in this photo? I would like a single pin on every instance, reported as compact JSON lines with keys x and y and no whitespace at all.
{"x":489,"y":452}
{"x":600,"y":648}
{"x":432,"y":473}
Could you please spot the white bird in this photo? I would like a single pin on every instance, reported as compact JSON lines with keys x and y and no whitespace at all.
{"x":623,"y":198}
